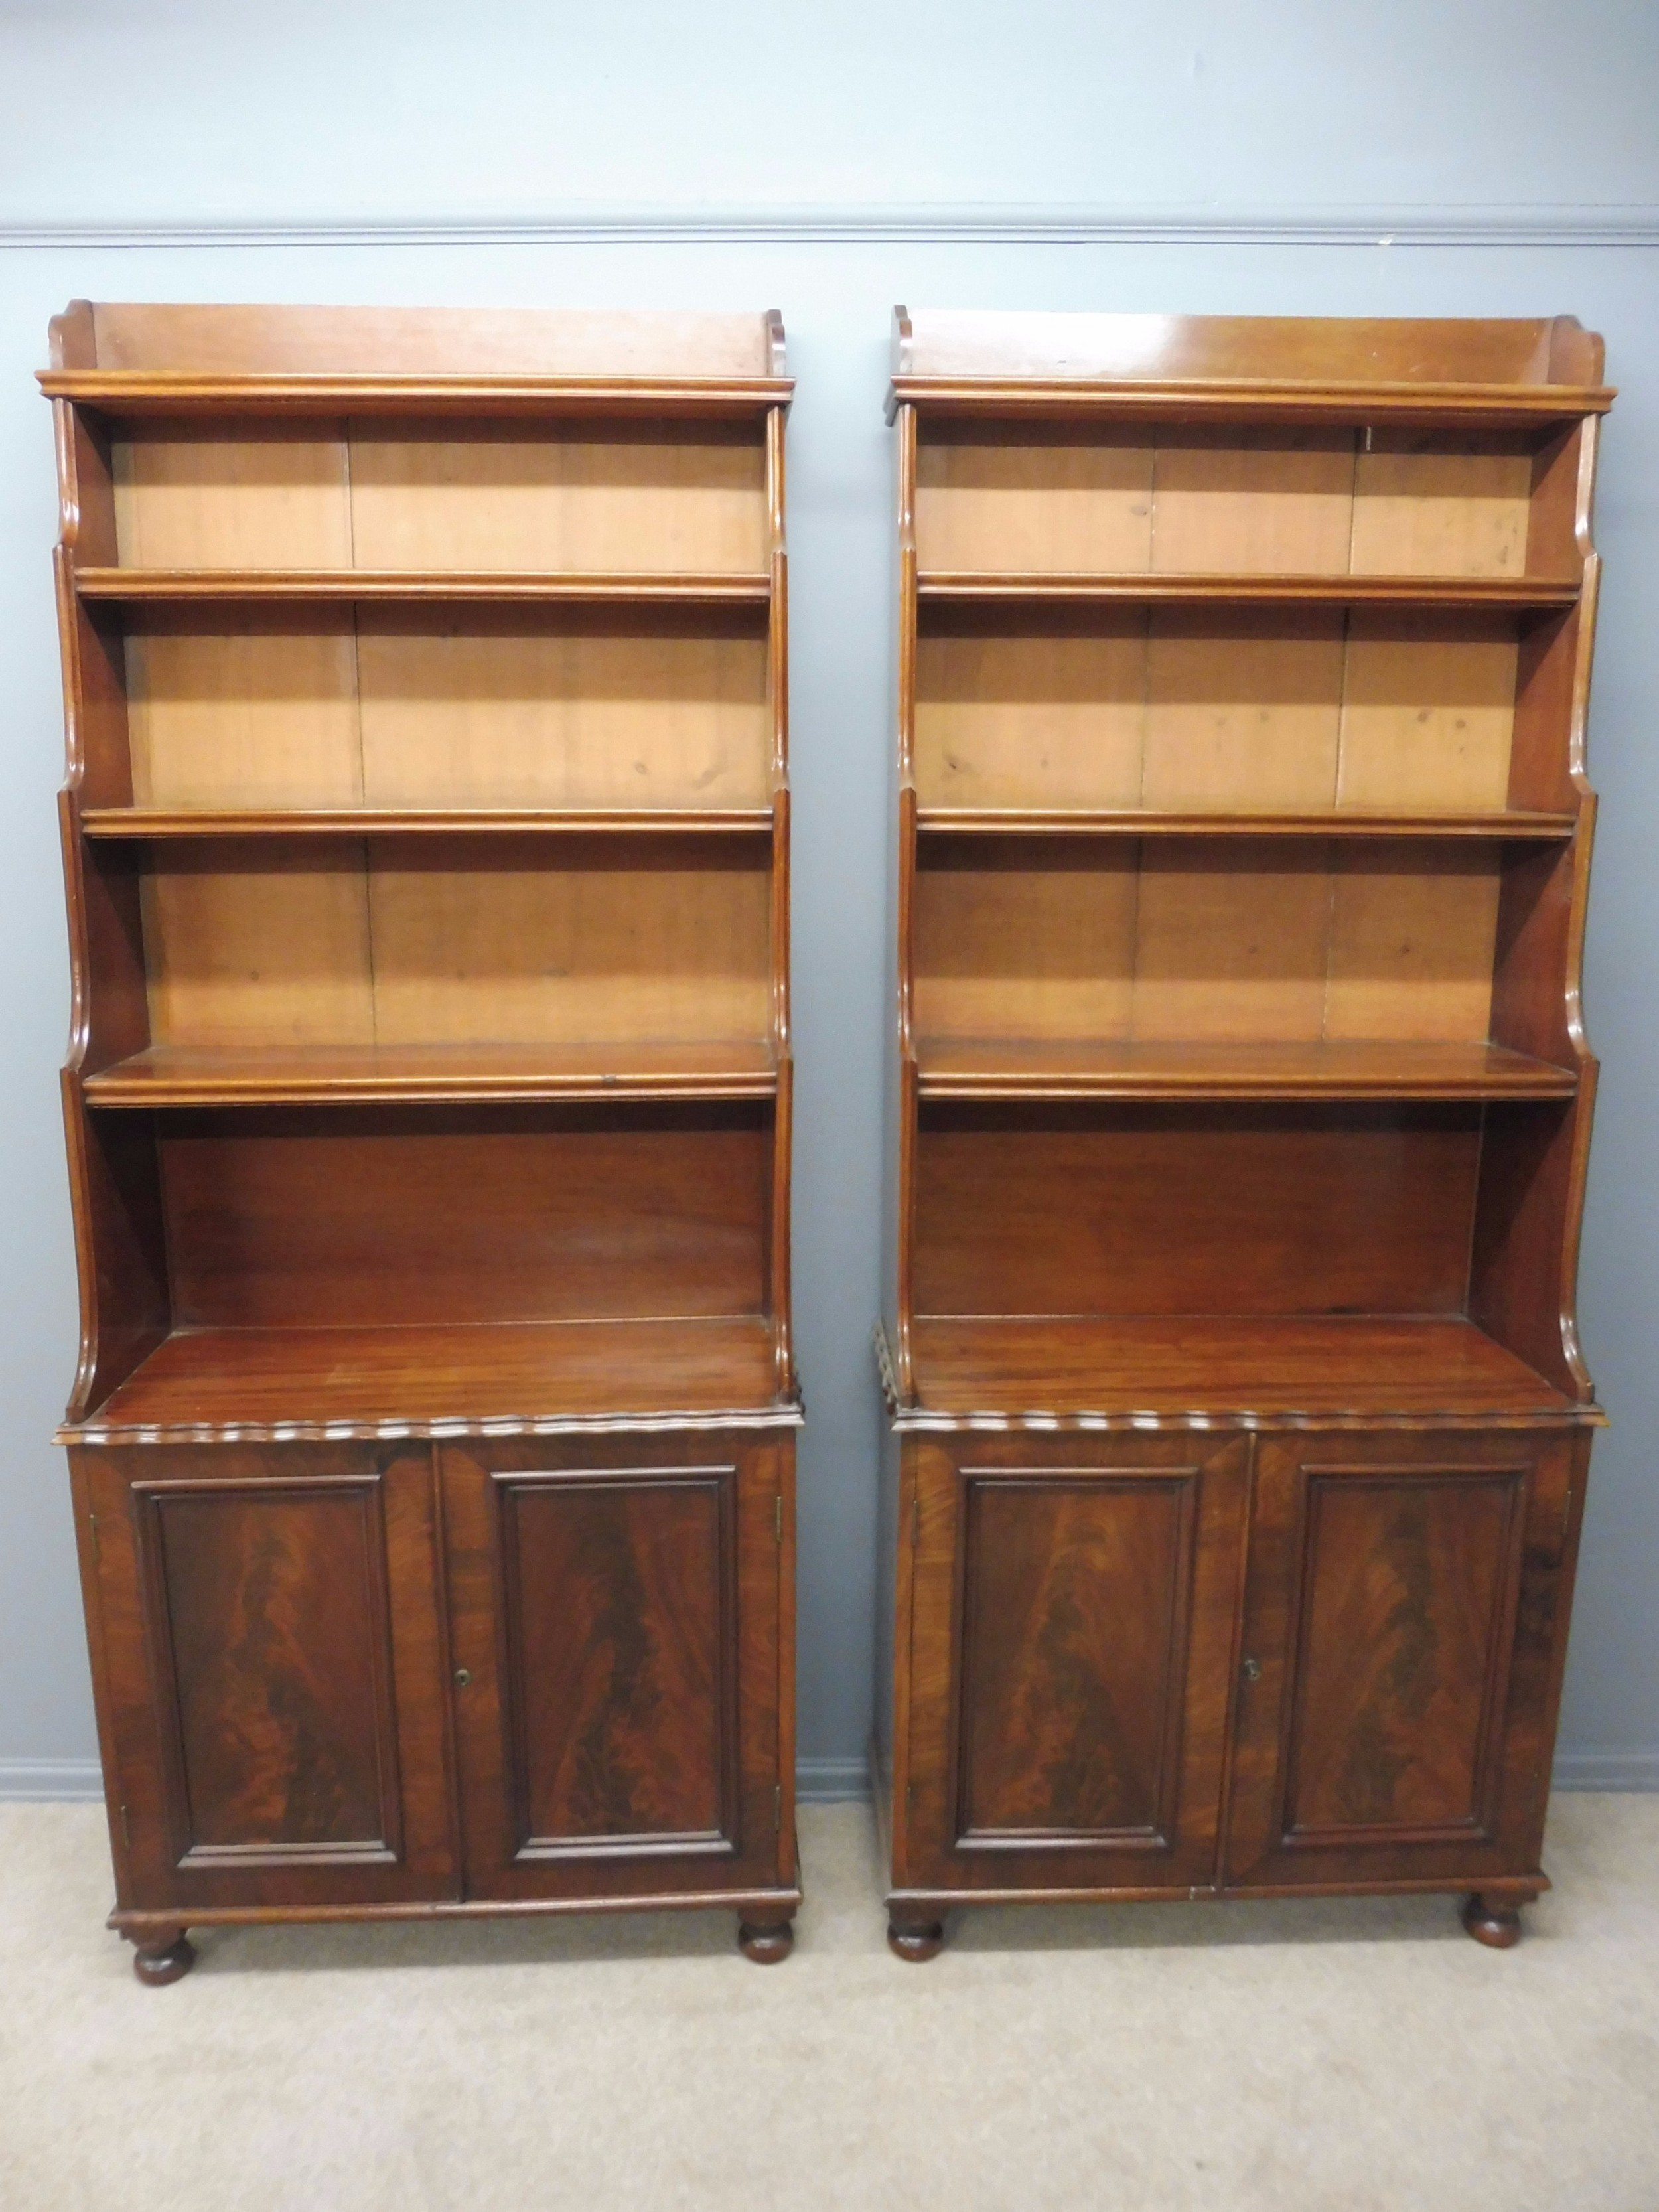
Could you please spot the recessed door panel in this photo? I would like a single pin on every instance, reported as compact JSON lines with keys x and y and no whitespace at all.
{"x":1076,"y":1600}
{"x":1401,"y":1664}
{"x":269,"y":1652}
{"x":274,"y":1606}
{"x":1403,"y":1628}
{"x":1073,"y":1606}
{"x":619,"y":1632}
{"x":615,"y":1609}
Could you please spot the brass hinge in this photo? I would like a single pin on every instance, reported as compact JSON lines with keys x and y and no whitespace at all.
{"x":126,"y":1830}
{"x":97,"y":1556}
{"x":915,"y":1518}
{"x":777,"y":1810}
{"x":778,"y":1502}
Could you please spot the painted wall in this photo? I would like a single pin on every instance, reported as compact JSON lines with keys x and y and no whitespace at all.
{"x":951,"y":157}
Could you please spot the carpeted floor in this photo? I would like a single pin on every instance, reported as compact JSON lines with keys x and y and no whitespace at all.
{"x":1359,"y":2055}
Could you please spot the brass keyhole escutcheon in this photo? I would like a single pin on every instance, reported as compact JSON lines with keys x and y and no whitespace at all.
{"x":463,"y":1676}
{"x":1252,"y":1670}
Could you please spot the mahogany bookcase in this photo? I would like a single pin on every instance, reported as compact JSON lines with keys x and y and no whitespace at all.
{"x":1240,"y":1106}
{"x":426,"y":837}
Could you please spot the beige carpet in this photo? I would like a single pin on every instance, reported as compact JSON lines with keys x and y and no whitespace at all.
{"x":1361,"y":2056}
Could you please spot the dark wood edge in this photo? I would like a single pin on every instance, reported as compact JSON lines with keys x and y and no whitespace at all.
{"x":1243,"y":399}
{"x":916,"y":1419}
{"x":129,"y":392}
{"x":132,"y":1923}
{"x":1500,"y":825}
{"x":485,"y":587}
{"x":109,"y":1090}
{"x":1147,"y":586}
{"x":489,"y":1428}
{"x":933,"y":1904}
{"x":105,"y":821}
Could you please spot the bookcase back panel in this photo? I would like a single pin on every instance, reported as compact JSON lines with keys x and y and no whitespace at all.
{"x":407,"y":941}
{"x":367,"y":1218}
{"x":1186,"y":499}
{"x":260,"y":710}
{"x":1170,"y":939}
{"x":1230,"y":711}
{"x":1051,"y":716}
{"x":237,"y":495}
{"x":508,"y":947}
{"x":1034,"y":499}
{"x":249,"y":944}
{"x":492,"y":714}
{"x":271,"y":708}
{"x":1253,"y":502}
{"x":622,"y":498}
{"x":1193,"y":1210}
{"x":1431,"y":503}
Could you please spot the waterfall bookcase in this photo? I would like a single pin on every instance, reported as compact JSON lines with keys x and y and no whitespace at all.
{"x":427,"y":833}
{"x":1240,"y":1106}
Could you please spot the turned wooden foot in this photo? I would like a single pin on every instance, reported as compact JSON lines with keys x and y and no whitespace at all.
{"x":768,"y":1942}
{"x":916,"y":1940}
{"x":166,"y":1958}
{"x":1489,"y":1920}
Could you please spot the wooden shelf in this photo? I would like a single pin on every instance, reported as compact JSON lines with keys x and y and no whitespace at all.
{"x":453,"y":1380}
{"x":1041,"y":1067}
{"x":130,"y":822}
{"x":1254,"y":399}
{"x":1222,"y":1366}
{"x":458,"y":1074}
{"x":130,"y":394}
{"x":1148,"y":822}
{"x":135,"y":587}
{"x":942,"y":587}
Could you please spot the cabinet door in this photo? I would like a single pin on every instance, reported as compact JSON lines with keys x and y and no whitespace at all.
{"x":615,"y":1623}
{"x":268,"y":1653}
{"x":1074,"y":1610}
{"x":1405,"y":1617}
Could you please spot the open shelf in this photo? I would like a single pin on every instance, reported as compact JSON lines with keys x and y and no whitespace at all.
{"x":173,"y":1075}
{"x":1222,"y":1365}
{"x":1235,"y":589}
{"x":359,"y":822}
{"x":452,"y":1379}
{"x":1088,"y":1067}
{"x":137,"y":394}
{"x":1152,"y":822}
{"x":134,"y":586}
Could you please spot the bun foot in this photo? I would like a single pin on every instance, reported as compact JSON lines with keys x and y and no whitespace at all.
{"x":1490,"y":1921}
{"x":768,"y":1942}
{"x":915,"y":1940}
{"x":158,"y":1963}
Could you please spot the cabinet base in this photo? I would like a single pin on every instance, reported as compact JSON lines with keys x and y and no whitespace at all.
{"x":915,"y":1918}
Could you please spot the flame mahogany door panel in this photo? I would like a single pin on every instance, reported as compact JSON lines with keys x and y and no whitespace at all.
{"x":1074,"y":1636}
{"x":614,"y":1611}
{"x":269,"y":1650}
{"x":1407,"y":1612}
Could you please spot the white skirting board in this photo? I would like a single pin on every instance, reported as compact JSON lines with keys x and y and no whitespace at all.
{"x":818,"y":1781}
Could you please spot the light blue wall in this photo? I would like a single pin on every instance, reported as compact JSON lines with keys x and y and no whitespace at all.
{"x":972,"y":157}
